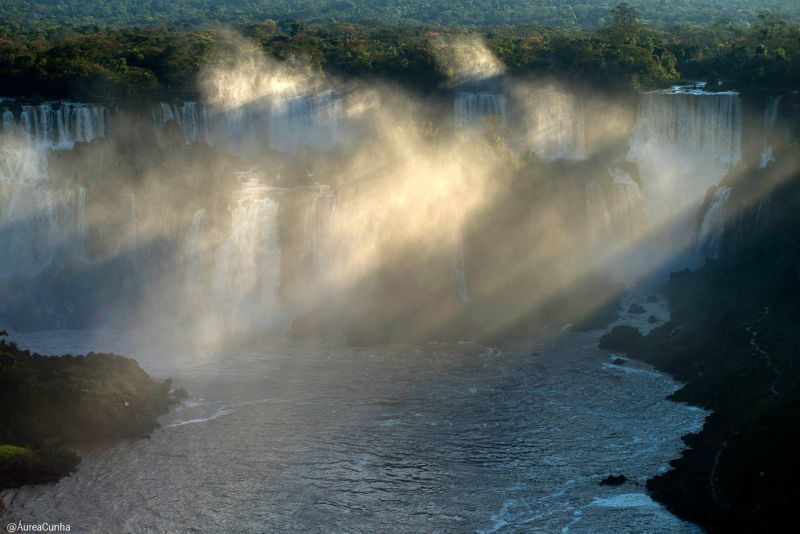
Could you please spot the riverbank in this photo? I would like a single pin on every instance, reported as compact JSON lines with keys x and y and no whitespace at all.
{"x":53,"y":405}
{"x":736,"y":353}
{"x":297,"y":434}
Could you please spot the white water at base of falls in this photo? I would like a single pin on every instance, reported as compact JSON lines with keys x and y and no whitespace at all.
{"x":711,"y":233}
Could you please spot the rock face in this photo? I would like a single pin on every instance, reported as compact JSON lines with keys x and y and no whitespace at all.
{"x":733,"y":341}
{"x":51,"y":402}
{"x":620,"y":338}
{"x":614,"y":480}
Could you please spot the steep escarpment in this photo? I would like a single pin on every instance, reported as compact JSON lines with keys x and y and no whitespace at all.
{"x":733,"y":340}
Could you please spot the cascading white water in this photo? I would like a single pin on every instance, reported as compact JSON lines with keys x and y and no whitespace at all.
{"x":685,"y":140}
{"x":56,"y":125}
{"x":471,"y":108}
{"x":770,"y":118}
{"x":553,"y":124}
{"x":9,"y":122}
{"x":629,"y":217}
{"x":37,"y":219}
{"x":247,"y":263}
{"x":40,"y":219}
{"x":236,"y":280}
{"x":284,"y":123}
{"x":597,"y":216}
{"x":712,"y":229}
{"x":305,"y":120}
{"x":190,"y":116}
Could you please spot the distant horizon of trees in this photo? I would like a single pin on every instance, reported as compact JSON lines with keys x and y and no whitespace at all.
{"x":624,"y":54}
{"x":44,"y":17}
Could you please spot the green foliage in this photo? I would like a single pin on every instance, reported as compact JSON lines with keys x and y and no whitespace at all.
{"x":49,"y":401}
{"x":624,"y":54}
{"x":19,"y":466}
{"x":45,"y":16}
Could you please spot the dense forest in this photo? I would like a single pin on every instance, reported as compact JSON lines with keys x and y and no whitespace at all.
{"x":625,"y":53}
{"x":47,"y":15}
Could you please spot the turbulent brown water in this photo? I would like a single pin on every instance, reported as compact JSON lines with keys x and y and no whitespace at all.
{"x":283,"y":435}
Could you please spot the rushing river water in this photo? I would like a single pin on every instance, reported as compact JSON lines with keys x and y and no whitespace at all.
{"x":283,"y":435}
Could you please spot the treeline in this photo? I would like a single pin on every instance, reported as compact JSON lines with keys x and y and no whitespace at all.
{"x":48,"y":15}
{"x":623,"y":54}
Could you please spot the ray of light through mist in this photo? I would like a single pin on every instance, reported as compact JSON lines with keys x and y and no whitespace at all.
{"x":298,"y":195}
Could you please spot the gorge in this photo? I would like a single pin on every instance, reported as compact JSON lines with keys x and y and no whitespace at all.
{"x":376,"y":298}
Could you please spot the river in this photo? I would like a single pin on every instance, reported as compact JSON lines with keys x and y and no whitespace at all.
{"x":284,"y":435}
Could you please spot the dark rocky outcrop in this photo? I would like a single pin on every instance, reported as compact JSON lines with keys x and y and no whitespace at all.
{"x":614,"y":480}
{"x":620,"y":338}
{"x":733,"y":340}
{"x":50,"y":404}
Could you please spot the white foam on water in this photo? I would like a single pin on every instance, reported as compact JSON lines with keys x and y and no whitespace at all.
{"x":220,"y":413}
{"x":625,"y":500}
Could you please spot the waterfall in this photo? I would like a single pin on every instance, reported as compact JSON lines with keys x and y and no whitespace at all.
{"x":235,"y":278}
{"x":56,"y":125}
{"x":683,"y":143}
{"x":36,"y":218}
{"x":41,"y":220}
{"x":712,"y":229}
{"x":283,"y":123}
{"x":770,"y":118}
{"x":628,"y":218}
{"x":247,"y":263}
{"x":305,"y":120}
{"x":597,"y":215}
{"x":9,"y":122}
{"x":553,"y":124}
{"x":190,"y":116}
{"x":472,"y":108}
